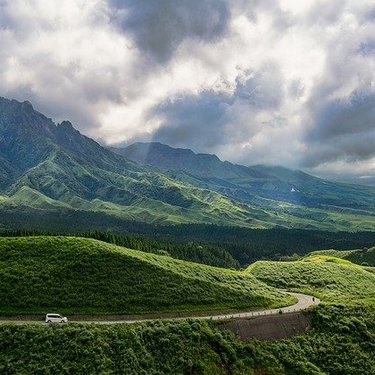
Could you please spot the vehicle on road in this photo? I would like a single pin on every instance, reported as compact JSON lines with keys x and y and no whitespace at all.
{"x":55,"y":318}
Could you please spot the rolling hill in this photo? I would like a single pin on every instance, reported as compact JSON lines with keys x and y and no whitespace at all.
{"x":332,"y":279}
{"x":340,"y":340}
{"x":52,"y":175}
{"x":76,"y":275}
{"x":365,"y":257}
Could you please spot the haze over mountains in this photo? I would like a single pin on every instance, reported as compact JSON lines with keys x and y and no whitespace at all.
{"x":241,"y":182}
{"x":53,"y":172}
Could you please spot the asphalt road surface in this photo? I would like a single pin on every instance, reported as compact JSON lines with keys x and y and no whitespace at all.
{"x":304,"y":301}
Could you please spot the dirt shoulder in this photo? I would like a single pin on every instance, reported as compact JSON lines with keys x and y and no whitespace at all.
{"x":271,"y":327}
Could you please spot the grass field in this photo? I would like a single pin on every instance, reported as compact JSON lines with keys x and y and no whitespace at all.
{"x":341,"y":339}
{"x":333,"y":279}
{"x":77,"y":275}
{"x":364,"y":256}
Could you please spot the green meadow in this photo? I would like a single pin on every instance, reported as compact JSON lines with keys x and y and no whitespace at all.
{"x":333,"y":279}
{"x":86,"y":276}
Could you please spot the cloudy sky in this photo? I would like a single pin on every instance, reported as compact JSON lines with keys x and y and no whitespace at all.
{"x":285,"y":82}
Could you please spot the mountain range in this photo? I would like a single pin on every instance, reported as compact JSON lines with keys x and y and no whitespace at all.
{"x":52,"y":174}
{"x":243,"y":183}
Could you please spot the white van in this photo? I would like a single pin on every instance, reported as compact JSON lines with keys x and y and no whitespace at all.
{"x":56,"y":318}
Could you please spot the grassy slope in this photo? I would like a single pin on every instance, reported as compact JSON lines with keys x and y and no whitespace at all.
{"x":76,"y":275}
{"x":332,"y":279}
{"x":49,"y":168}
{"x":341,"y":341}
{"x":208,"y":207}
{"x":342,"y":338}
{"x":117,"y":188}
{"x":66,"y":180}
{"x":236,"y":180}
{"x":359,"y":256}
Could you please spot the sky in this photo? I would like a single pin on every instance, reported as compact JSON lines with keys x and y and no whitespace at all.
{"x":285,"y":82}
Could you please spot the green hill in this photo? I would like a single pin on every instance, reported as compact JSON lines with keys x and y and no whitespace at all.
{"x":365,"y":257}
{"x":340,"y":341}
{"x":332,"y":279}
{"x":76,"y":275}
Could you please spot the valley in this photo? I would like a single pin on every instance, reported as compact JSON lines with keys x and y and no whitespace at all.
{"x":186,"y":247}
{"x":187,"y":187}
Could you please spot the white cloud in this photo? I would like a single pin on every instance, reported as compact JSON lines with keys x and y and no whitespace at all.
{"x":90,"y":62}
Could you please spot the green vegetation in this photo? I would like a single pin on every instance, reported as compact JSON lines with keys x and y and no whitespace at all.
{"x":27,"y":206}
{"x":341,"y":341}
{"x":192,"y":251}
{"x":229,"y":247}
{"x":332,"y":279}
{"x":51,"y":172}
{"x":233,"y":180}
{"x":82,"y":271}
{"x":364,"y":257}
{"x":77,"y":275}
{"x":53,"y":178}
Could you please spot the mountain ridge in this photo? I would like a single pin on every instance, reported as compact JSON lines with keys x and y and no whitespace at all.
{"x":47,"y":168}
{"x":266,"y":181}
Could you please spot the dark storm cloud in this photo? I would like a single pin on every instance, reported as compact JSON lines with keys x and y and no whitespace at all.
{"x":342,"y":117}
{"x":358,"y":147}
{"x":158,"y":27}
{"x":196,"y":121}
{"x":344,"y":130}
{"x":367,"y":47}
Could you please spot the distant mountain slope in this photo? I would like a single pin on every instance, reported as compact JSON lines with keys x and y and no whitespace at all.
{"x":169,"y":158}
{"x":49,"y":171}
{"x":238,"y":181}
{"x":50,"y":166}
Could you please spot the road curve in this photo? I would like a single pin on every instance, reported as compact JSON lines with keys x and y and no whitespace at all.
{"x":304,"y":301}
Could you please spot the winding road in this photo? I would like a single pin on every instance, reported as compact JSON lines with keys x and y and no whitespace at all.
{"x":304,"y":301}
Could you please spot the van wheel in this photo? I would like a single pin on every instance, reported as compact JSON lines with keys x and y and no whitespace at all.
{"x":63,"y":321}
{"x":48,"y":321}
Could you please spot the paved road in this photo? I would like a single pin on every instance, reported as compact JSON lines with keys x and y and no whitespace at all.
{"x":304,"y":301}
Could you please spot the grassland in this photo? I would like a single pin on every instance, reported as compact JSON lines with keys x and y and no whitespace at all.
{"x":205,"y":207}
{"x":365,"y":257}
{"x":341,"y":339}
{"x":77,"y":275}
{"x":333,"y":279}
